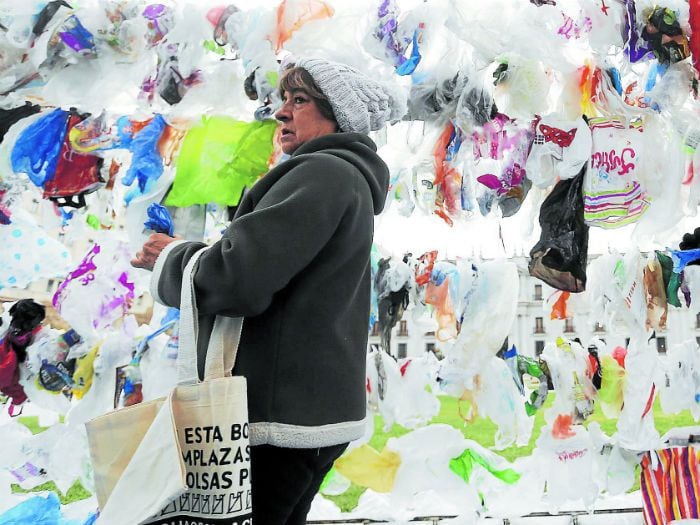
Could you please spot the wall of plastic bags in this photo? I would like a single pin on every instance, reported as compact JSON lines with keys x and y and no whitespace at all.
{"x":573,"y":117}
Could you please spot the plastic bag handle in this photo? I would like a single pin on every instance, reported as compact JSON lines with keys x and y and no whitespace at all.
{"x":219,"y":361}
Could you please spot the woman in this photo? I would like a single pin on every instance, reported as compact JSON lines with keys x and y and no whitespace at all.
{"x":295,"y":263}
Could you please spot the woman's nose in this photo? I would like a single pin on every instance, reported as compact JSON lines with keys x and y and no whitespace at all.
{"x":283,"y":114}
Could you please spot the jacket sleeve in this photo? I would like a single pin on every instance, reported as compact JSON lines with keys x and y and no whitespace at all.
{"x":263,"y":250}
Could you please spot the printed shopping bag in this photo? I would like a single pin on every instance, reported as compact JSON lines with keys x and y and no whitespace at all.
{"x":184,"y":458}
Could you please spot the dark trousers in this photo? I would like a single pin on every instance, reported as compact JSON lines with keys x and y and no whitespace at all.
{"x":285,"y":480}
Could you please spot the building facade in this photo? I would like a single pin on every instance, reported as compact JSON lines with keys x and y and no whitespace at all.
{"x":533,"y":326}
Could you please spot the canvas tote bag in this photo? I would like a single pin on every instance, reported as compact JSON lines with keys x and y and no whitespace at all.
{"x":183,"y":459}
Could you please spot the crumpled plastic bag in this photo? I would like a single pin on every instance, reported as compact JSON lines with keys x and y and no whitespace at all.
{"x":392,"y":283}
{"x":559,"y":258}
{"x":487,"y":315}
{"x":560,"y":149}
{"x":678,"y":380}
{"x":498,"y":399}
{"x":98,"y":292}
{"x":30,"y":253}
{"x":635,"y":426}
{"x":568,"y":466}
{"x":37,"y":510}
{"x":146,"y":162}
{"x":567,"y":362}
{"x":406,"y":393}
{"x":37,"y":149}
{"x":219,"y":158}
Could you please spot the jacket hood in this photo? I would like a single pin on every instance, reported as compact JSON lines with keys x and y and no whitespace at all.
{"x":360,"y":151}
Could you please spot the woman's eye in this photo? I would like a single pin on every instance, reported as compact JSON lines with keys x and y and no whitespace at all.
{"x":299,"y":100}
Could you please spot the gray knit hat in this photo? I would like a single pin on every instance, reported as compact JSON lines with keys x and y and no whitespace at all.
{"x":359,"y":103}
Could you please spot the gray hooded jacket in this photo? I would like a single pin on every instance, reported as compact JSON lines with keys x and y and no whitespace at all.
{"x":295,"y":263}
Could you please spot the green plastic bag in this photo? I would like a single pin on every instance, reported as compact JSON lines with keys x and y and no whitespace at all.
{"x":219,"y":157}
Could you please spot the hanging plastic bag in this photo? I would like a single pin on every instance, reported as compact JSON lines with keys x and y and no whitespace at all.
{"x":292,"y":15}
{"x":146,"y":163}
{"x":36,"y":510}
{"x":30,"y":253}
{"x":613,"y":196}
{"x":559,"y":150}
{"x":392,"y":282}
{"x":76,"y":174}
{"x":559,"y":258}
{"x":655,"y":292}
{"x":218,"y":159}
{"x":37,"y":149}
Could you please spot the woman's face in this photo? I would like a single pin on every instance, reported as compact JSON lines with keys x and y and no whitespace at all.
{"x":301,"y":120}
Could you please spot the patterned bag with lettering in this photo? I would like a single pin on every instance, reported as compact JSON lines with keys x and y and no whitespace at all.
{"x":612,"y":194}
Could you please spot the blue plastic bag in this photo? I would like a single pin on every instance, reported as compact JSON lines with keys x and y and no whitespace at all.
{"x":159,"y":220}
{"x":36,"y":510}
{"x":38,"y":147}
{"x":146,"y":162}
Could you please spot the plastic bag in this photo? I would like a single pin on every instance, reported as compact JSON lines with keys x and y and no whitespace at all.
{"x":37,"y":149}
{"x":559,"y":258}
{"x":442,"y":293}
{"x":76,"y":173}
{"x":36,"y":510}
{"x":218,"y":159}
{"x":611,"y":392}
{"x":635,"y":426}
{"x":392,"y":283}
{"x":498,"y":399}
{"x":30,"y":253}
{"x":146,"y":163}
{"x":292,"y":15}
{"x":612,"y":194}
{"x":560,"y":149}
{"x":655,"y":292}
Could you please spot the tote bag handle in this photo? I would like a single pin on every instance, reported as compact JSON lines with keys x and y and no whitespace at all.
{"x":225,"y":333}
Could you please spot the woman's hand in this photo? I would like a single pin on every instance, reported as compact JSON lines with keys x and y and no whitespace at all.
{"x":146,"y":257}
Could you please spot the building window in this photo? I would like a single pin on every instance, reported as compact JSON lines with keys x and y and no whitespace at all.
{"x":569,"y":326}
{"x":599,"y":327}
{"x":697,"y":322}
{"x":697,"y":340}
{"x":49,"y":285}
{"x":538,"y":292}
{"x":539,"y":348}
{"x":375,"y":330}
{"x":430,"y":347}
{"x":403,"y":350}
{"x":403,"y":328}
{"x":627,"y":342}
{"x":539,"y":325}
{"x":661,"y":344}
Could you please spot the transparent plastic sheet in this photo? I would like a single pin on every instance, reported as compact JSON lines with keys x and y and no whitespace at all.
{"x":442,"y":293}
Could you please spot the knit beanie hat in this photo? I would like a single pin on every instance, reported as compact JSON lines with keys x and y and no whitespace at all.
{"x":359,"y":103}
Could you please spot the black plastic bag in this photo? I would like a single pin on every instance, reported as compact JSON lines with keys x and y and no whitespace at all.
{"x":559,"y":258}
